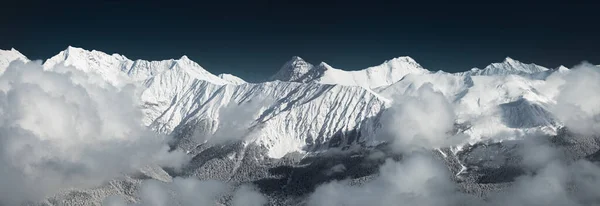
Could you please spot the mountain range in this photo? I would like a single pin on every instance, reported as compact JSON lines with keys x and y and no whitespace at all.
{"x":310,"y":104}
{"x":305,"y":110}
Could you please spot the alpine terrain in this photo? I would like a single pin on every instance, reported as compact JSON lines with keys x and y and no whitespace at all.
{"x":90,"y":128}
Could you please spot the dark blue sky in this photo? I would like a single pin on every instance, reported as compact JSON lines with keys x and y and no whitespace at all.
{"x":252,"y":39}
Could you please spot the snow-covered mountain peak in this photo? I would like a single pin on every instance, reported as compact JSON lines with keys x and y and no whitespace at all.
{"x":390,"y":71}
{"x":232,"y":79}
{"x":293,"y":70}
{"x":401,"y":59}
{"x":110,"y":67}
{"x":562,"y":68}
{"x":177,"y":92}
{"x":324,"y":66}
{"x":118,"y":69}
{"x":76,"y":52}
{"x":507,"y":67}
{"x":12,"y":52}
{"x":296,"y":58}
{"x":7,"y":56}
{"x":73,"y":49}
{"x":184,"y":58}
{"x":77,"y":57}
{"x":512,"y":65}
{"x":510,"y":60}
{"x":406,"y":63}
{"x":177,"y":68}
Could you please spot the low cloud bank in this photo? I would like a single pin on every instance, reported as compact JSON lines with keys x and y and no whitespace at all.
{"x":189,"y":192}
{"x":61,"y":129}
{"x":58,"y":130}
{"x":421,"y":179}
{"x":578,"y":98}
{"x":420,"y":120}
{"x":247,"y":195}
{"x":417,"y":180}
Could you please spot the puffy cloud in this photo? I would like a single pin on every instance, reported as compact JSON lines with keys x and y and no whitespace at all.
{"x":578,"y":99}
{"x":547,"y":187}
{"x":114,"y":201}
{"x":192,"y":191}
{"x":417,"y":180}
{"x":247,"y":195}
{"x":59,"y":131}
{"x":182,"y":191}
{"x":420,"y":118}
{"x":63,"y":128}
{"x":557,"y":183}
{"x":537,"y":153}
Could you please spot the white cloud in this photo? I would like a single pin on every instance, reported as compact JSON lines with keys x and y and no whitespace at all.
{"x":182,"y":191}
{"x":578,"y":99}
{"x":191,"y":191}
{"x":58,"y":131}
{"x":247,"y":195}
{"x":547,"y":187}
{"x":417,"y":180}
{"x":420,"y":118}
{"x":114,"y":201}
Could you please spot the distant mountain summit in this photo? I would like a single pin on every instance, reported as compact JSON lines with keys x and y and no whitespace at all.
{"x":508,"y":66}
{"x":7,"y":56}
{"x":293,"y":70}
{"x":298,"y":70}
{"x":117,"y":68}
{"x":231,"y":78}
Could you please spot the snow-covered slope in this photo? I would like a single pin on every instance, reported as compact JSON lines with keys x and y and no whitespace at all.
{"x":118,"y":69}
{"x":562,"y":69}
{"x":7,"y":56}
{"x":293,"y":70}
{"x":231,"y":79}
{"x":297,"y":70}
{"x":508,"y":66}
{"x":288,"y":116}
{"x":312,"y":107}
{"x":494,"y":107}
{"x":297,"y":116}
